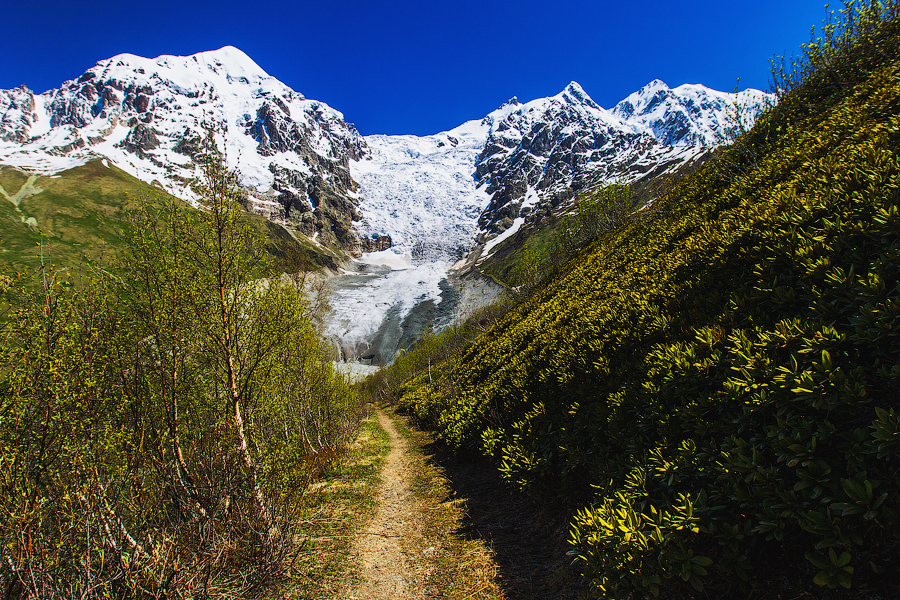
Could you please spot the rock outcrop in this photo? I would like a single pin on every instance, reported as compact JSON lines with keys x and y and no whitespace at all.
{"x":17,"y":114}
{"x":375,"y":244}
{"x":540,"y":154}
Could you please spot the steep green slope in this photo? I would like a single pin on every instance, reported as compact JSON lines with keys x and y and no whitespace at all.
{"x":79,"y":212}
{"x":82,"y":212}
{"x":555,"y":237}
{"x":716,"y":384}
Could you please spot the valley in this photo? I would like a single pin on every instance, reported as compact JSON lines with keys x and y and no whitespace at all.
{"x":390,"y":215}
{"x":556,"y":351}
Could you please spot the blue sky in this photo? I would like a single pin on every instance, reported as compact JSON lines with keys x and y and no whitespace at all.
{"x":422,"y":67}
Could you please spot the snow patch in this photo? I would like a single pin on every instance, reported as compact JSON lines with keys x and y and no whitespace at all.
{"x":387,"y":258}
{"x":489,"y":247}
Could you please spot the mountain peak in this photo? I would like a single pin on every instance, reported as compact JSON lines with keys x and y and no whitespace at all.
{"x":227,"y":61}
{"x":654,"y":86}
{"x":235,"y":61}
{"x":575,"y":94}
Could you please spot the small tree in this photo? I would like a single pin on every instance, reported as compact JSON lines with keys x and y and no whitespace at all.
{"x":600,"y":210}
{"x":158,"y":426}
{"x":223,"y":336}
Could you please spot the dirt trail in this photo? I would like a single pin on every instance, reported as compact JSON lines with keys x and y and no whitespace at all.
{"x":388,"y":571}
{"x":445,"y":527}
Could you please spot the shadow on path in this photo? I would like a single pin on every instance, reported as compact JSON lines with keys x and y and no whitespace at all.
{"x":528,"y":538}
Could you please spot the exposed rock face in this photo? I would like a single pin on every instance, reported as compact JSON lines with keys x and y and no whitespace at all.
{"x":539,"y":155}
{"x":188,"y":144}
{"x":274,"y":129}
{"x":16,"y":114}
{"x":551,"y":146}
{"x":148,"y":116}
{"x":140,"y":140}
{"x":375,"y":244}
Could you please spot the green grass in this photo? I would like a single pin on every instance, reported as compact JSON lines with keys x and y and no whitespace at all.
{"x":81,"y":214}
{"x":333,"y":512}
{"x":12,"y":179}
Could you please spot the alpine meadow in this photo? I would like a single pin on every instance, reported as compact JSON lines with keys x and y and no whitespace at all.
{"x":557,"y":352}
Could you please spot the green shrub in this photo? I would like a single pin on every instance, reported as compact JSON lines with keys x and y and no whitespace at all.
{"x":159,"y":426}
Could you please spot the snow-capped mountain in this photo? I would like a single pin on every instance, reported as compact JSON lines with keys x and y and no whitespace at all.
{"x":690,"y":115}
{"x":416,"y":203}
{"x":147,"y":116}
{"x":539,"y":153}
{"x":432,"y":195}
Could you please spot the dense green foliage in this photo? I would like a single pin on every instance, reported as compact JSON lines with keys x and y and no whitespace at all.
{"x":715,"y":384}
{"x":158,"y":426}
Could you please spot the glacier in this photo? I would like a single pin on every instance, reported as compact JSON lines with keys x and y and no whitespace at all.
{"x":303,"y":166}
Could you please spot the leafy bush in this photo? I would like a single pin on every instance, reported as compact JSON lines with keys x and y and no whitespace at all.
{"x":596,"y":212}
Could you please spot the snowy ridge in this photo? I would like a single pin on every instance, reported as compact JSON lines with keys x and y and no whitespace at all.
{"x":431,"y":194}
{"x":690,"y":115}
{"x":147,"y":117}
{"x":544,"y":150}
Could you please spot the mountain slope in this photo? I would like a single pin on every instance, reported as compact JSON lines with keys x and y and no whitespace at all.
{"x":712,"y":387}
{"x":82,"y":213}
{"x":147,"y":116}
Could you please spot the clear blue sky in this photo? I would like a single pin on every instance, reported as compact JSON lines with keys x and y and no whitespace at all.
{"x":421,"y":67}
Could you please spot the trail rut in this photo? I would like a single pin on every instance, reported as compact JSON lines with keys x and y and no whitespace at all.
{"x":389,"y":571}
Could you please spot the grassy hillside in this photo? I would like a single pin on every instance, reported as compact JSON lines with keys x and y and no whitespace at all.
{"x":83,"y":212}
{"x":553,"y":238}
{"x":713,"y":387}
{"x":80,"y":212}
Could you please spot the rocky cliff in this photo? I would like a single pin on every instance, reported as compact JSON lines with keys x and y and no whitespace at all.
{"x":148,"y":116}
{"x":538,"y":155}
